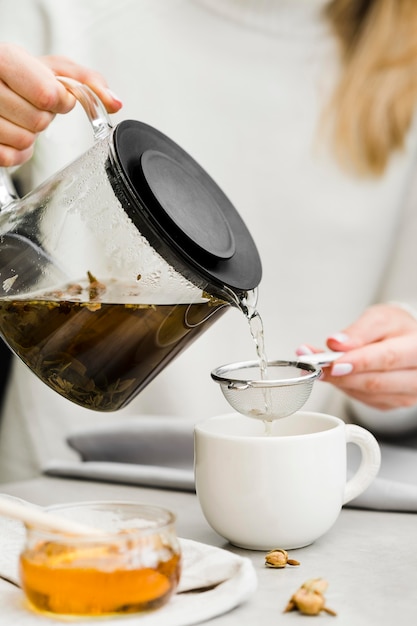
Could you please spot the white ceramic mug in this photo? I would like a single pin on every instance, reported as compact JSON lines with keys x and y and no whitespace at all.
{"x":282,"y":490}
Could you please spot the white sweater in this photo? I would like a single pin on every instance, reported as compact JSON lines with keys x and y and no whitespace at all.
{"x":241,"y":85}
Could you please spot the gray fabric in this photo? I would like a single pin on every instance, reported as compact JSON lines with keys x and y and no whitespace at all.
{"x":157,"y":441}
{"x":158,"y":452}
{"x":155,"y":451}
{"x":395,"y":488}
{"x":125,"y":473}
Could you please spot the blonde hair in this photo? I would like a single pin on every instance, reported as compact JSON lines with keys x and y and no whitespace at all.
{"x":373,"y":104}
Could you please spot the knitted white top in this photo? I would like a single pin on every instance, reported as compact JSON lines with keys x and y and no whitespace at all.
{"x":241,"y":85}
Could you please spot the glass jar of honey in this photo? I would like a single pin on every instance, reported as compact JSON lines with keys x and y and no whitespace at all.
{"x":133,"y":566}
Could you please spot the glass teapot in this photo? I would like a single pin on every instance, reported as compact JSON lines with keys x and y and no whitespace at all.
{"x":119,"y":261}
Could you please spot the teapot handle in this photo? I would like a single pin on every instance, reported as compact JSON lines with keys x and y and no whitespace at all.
{"x":97,"y":116}
{"x":91,"y":104}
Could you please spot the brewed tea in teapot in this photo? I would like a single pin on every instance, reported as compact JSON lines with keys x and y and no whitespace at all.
{"x":118,"y":262}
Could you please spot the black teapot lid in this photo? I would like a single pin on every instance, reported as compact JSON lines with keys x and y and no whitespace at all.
{"x":178,"y":207}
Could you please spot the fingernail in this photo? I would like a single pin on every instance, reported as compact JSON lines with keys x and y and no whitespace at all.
{"x":113,"y":96}
{"x":340,"y":337}
{"x":341,"y":369}
{"x":303,"y":349}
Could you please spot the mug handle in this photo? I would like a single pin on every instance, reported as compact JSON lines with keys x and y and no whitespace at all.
{"x":370,"y":461}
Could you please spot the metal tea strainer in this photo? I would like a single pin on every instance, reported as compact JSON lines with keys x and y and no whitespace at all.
{"x":283,"y":391}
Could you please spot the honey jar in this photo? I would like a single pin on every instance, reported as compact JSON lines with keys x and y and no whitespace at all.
{"x":134,"y":565}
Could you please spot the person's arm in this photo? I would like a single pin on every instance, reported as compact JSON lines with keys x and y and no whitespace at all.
{"x":30,"y":97}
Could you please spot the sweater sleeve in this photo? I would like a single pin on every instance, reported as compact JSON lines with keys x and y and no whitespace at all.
{"x":400,"y":288}
{"x":400,"y":281}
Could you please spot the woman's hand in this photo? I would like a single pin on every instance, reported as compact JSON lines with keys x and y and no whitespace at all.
{"x":31,"y":96}
{"x":379,"y":364}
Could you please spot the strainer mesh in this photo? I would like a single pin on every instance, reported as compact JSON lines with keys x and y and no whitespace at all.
{"x":282,"y":390}
{"x":268,"y":403}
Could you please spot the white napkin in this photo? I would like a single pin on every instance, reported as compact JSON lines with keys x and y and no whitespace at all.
{"x":228,"y":578}
{"x":158,"y":452}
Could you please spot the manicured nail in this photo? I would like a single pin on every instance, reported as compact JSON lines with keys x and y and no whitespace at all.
{"x":341,"y":369}
{"x":340,"y":338}
{"x":303,"y":349}
{"x":113,"y":96}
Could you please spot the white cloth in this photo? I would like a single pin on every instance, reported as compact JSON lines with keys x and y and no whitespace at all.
{"x":241,"y":86}
{"x":233,"y":578}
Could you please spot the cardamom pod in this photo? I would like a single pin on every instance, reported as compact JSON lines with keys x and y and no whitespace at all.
{"x":278,"y":558}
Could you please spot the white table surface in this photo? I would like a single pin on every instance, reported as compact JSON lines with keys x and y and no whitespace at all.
{"x":369,"y":558}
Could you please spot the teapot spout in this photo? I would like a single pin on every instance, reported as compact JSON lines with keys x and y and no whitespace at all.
{"x":246,"y":301}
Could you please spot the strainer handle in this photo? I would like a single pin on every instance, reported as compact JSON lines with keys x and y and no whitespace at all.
{"x":321,"y":359}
